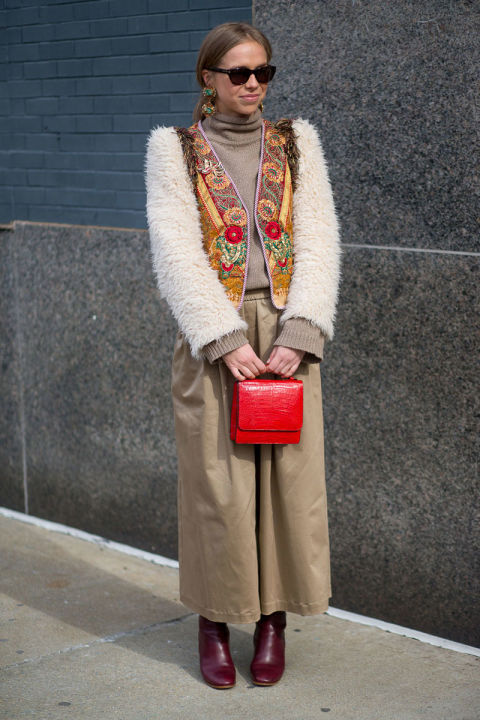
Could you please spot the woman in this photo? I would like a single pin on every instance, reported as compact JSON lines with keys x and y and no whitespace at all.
{"x":246,"y":251}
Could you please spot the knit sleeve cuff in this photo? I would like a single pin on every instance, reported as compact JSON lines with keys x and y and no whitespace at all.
{"x":301,"y":334}
{"x":215,"y":349}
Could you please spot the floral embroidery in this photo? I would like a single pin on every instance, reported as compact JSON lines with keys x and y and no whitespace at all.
{"x":273,"y":172}
{"x":266,"y":208}
{"x":235,"y":216}
{"x":234,"y":234}
{"x":273,"y":137}
{"x":217,"y":180}
{"x":273,"y":230}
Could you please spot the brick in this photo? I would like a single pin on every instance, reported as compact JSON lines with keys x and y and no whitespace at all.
{"x":130,"y":84}
{"x":91,"y":10}
{"x":231,"y":15}
{"x":94,"y":123}
{"x":30,"y":195}
{"x":188,"y":20}
{"x":181,"y":102}
{"x":58,"y":123}
{"x":130,"y":198}
{"x":72,"y":30}
{"x":169,"y":41}
{"x":57,"y":86}
{"x":23,"y":16}
{"x":18,"y":53}
{"x":94,"y":47}
{"x":12,"y":35}
{"x":28,"y":159}
{"x":111,"y":66}
{"x":46,"y":69}
{"x":127,"y":7}
{"x":74,"y":68}
{"x":166,"y":5}
{"x":121,"y":218}
{"x":41,"y":106}
{"x":131,"y":123}
{"x":38,"y":33}
{"x":77,"y":142}
{"x":57,"y":13}
{"x":58,"y":49}
{"x":135,"y":45}
{"x":12,"y":176}
{"x":42,"y":142}
{"x":148,"y":24}
{"x":142,"y":104}
{"x":76,"y":105}
{"x":109,"y":26}
{"x":118,"y":142}
{"x":93,"y":86}
{"x":21,"y":123}
{"x":209,"y":4}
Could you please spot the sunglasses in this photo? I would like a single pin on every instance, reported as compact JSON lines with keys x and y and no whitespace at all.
{"x":240,"y":75}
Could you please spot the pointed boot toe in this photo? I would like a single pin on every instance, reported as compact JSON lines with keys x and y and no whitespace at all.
{"x":216,"y":664}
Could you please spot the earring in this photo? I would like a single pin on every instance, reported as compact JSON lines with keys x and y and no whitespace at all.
{"x":260,"y":107}
{"x":208,"y":108}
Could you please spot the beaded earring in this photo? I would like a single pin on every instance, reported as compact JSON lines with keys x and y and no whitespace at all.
{"x":208,"y":108}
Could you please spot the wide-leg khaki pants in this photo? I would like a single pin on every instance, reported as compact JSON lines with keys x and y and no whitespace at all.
{"x":252,"y":519}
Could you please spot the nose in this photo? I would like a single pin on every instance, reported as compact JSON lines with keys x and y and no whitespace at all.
{"x":252,"y":81}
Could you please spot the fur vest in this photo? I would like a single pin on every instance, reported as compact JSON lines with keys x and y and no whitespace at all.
{"x":185,"y":276}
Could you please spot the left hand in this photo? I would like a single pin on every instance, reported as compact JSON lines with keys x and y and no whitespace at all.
{"x":284,"y":361}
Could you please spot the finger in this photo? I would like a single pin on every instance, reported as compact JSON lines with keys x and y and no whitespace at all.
{"x":246,"y":371}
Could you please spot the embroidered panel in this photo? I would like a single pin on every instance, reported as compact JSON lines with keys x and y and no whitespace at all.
{"x":224,"y":219}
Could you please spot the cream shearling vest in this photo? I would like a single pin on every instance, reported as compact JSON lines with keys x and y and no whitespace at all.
{"x":185,"y":277}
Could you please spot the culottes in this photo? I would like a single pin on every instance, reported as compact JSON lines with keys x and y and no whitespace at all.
{"x":252,"y":519}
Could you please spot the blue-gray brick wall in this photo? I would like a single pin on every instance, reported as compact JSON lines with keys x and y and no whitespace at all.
{"x":81,"y":85}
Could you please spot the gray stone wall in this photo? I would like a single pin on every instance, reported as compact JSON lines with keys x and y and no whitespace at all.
{"x":86,"y":434}
{"x":81,"y":85}
{"x":391,"y":89}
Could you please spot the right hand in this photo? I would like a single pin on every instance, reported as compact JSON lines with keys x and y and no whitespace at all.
{"x":244,"y":363}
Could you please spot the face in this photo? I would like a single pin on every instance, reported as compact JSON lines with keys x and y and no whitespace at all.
{"x":239,"y":100}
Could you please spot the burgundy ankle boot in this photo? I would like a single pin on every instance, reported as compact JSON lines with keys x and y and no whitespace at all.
{"x":216,"y":663}
{"x":268,"y":663}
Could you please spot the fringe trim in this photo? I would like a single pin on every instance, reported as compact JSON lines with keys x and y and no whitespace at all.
{"x":284,"y":127}
{"x":186,"y":140}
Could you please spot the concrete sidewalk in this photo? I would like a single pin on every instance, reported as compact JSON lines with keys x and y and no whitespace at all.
{"x":89,"y":632}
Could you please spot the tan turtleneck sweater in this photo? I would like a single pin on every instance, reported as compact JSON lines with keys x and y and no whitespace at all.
{"x":237,"y":140}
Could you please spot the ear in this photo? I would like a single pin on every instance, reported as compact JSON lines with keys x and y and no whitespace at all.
{"x":207,"y":78}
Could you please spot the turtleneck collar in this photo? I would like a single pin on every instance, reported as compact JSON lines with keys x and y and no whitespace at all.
{"x":232,"y":128}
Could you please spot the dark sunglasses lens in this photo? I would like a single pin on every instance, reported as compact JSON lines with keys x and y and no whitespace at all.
{"x":240,"y":76}
{"x":265,"y":74}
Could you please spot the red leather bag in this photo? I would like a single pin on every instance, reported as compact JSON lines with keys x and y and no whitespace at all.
{"x":267,"y":411}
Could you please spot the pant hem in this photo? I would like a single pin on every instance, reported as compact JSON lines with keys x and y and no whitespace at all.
{"x":252,"y":616}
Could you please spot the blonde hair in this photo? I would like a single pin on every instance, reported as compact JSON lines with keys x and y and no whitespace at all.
{"x":218,"y":42}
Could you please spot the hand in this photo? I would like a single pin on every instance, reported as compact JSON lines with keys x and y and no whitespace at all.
{"x":243,"y":362}
{"x":284,"y":361}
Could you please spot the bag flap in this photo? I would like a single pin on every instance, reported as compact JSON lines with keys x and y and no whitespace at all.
{"x":270,"y":405}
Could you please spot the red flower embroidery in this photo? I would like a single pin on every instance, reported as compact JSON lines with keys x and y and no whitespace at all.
{"x":282,"y":263}
{"x":273,"y":230}
{"x":227,"y":268}
{"x":234,"y":234}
